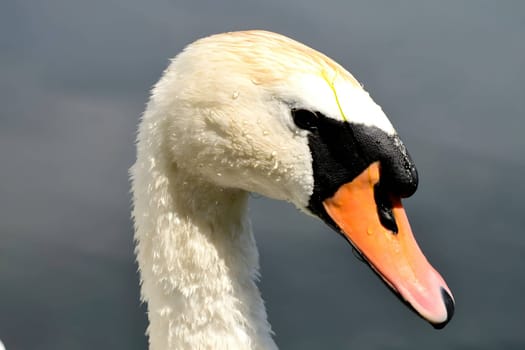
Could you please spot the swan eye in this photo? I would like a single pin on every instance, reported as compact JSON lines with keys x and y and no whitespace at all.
{"x":305,"y":119}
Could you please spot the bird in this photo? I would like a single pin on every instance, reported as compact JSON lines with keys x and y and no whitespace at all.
{"x":258,"y":112}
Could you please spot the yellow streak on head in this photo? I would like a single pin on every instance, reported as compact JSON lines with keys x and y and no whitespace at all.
{"x":331,"y":83}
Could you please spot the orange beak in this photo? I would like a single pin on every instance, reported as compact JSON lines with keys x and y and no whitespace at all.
{"x":395,"y":257}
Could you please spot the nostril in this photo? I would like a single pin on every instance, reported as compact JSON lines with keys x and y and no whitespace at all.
{"x":384,"y":208}
{"x":449,"y":304}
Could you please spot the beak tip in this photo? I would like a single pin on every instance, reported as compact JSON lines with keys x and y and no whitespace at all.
{"x":450,"y":306}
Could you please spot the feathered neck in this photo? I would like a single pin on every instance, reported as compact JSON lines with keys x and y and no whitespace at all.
{"x":196,"y":254}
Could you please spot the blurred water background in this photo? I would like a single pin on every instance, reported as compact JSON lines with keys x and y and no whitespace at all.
{"x":74,"y":80}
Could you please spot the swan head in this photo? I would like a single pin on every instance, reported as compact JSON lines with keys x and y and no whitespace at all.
{"x":259,"y":112}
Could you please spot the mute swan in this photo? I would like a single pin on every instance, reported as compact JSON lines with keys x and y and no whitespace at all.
{"x":255,"y":111}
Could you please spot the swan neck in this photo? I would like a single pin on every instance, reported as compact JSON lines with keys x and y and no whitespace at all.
{"x":197,"y":256}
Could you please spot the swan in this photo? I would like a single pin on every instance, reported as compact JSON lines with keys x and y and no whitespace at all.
{"x":255,"y":111}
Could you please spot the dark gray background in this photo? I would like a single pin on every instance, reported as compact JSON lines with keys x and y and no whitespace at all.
{"x":74,"y":78}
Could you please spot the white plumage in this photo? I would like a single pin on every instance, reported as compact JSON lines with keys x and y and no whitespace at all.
{"x":216,"y":128}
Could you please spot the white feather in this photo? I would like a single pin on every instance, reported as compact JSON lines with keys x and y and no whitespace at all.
{"x":217,"y":127}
